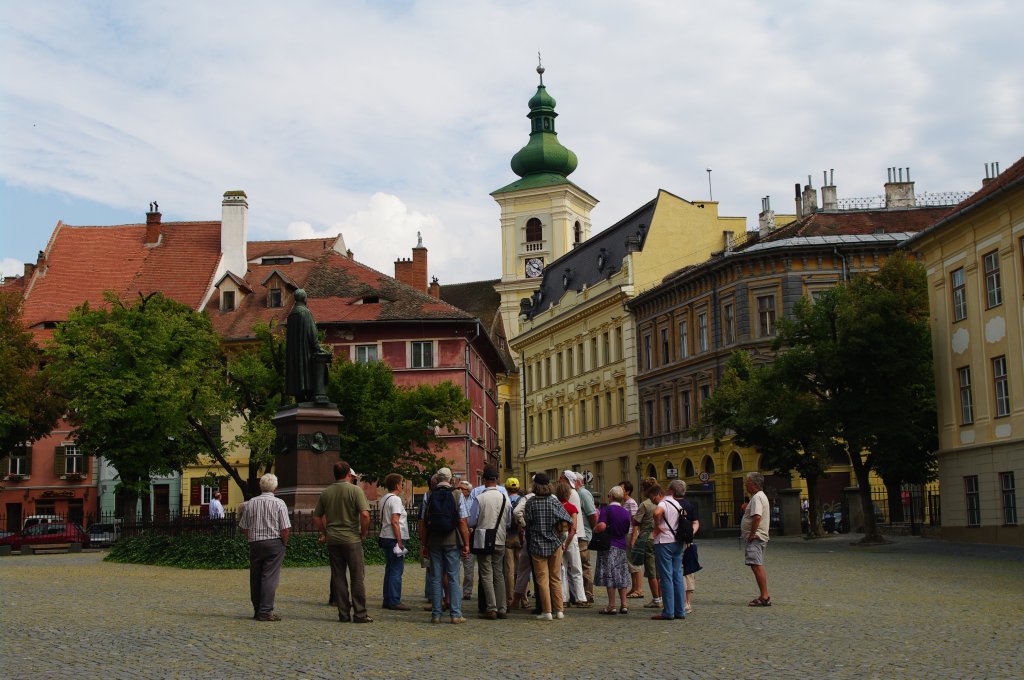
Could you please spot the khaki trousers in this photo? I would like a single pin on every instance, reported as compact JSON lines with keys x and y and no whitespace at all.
{"x":548,"y":572}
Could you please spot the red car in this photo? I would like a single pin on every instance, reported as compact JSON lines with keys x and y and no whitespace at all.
{"x":44,"y":534}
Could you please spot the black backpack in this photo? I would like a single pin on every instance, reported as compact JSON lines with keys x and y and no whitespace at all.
{"x":684,"y":527}
{"x":442,"y":515}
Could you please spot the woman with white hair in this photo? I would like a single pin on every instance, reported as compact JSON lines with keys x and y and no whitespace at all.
{"x":612,"y":572}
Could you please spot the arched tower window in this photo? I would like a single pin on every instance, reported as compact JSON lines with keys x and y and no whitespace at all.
{"x":735,"y":462}
{"x":709,"y":465}
{"x":534,"y":230}
{"x":688,"y":468}
{"x":577,"y":232}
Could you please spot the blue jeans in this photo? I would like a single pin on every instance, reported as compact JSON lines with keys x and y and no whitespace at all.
{"x":445,"y":560}
{"x":393,"y":568}
{"x":669,"y":557}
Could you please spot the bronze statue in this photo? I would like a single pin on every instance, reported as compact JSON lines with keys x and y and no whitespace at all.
{"x":306,"y":361}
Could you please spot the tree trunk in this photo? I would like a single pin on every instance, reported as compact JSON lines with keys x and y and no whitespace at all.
{"x":861,"y":470}
{"x":147,"y":508}
{"x":215,"y":452}
{"x":814,"y":528}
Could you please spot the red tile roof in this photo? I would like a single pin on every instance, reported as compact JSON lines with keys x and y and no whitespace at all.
{"x":81,"y":263}
{"x":851,"y":222}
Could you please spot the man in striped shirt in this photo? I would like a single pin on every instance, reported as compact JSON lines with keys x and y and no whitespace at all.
{"x":264,"y":519}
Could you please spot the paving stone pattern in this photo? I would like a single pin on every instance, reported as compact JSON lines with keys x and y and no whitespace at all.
{"x":916,"y":608}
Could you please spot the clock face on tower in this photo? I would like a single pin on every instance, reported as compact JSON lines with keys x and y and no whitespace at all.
{"x":534,"y":267}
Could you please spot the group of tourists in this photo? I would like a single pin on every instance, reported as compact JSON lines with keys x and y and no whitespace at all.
{"x":541,"y":539}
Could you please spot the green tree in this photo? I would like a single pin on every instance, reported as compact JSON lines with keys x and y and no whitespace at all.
{"x":252,"y":393}
{"x":759,"y":408}
{"x":135,"y":377}
{"x":389,"y":428}
{"x":28,"y":407}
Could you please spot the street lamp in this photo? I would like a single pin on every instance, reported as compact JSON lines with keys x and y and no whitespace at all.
{"x":711,"y":196}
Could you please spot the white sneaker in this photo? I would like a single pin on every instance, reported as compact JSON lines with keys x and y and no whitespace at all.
{"x":544,"y":617}
{"x":559,"y":615}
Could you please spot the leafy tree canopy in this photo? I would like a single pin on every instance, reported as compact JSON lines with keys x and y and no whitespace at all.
{"x":389,"y":428}
{"x":28,"y":407}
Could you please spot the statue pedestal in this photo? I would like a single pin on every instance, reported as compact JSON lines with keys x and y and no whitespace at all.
{"x":307,"y":448}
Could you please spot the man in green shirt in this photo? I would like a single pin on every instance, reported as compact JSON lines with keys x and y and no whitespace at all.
{"x":343,"y":517}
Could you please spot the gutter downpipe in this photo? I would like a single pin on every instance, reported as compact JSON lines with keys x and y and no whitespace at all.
{"x":469,"y":435}
{"x":846,"y":271}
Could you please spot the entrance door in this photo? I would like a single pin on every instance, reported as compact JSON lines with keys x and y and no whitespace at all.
{"x":738,"y":494}
{"x":161,"y":501}
{"x":13,"y":517}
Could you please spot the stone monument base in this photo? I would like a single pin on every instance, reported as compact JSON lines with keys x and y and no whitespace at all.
{"x":307,"y":448}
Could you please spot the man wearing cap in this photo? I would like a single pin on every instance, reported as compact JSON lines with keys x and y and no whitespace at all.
{"x":573,"y":565}
{"x":490,"y":511}
{"x":342,"y":514}
{"x":512,"y":543}
{"x":588,"y":510}
{"x":444,"y":550}
{"x":477,"y":490}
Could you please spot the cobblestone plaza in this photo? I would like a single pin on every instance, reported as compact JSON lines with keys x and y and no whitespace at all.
{"x":915,"y":608}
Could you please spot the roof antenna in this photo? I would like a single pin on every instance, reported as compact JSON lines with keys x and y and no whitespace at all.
{"x":540,"y":69}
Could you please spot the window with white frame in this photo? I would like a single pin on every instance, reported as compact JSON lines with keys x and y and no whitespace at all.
{"x":18,"y":462}
{"x":74,"y":461}
{"x":583,"y":415}
{"x":702,"y":331}
{"x":959,"y":285}
{"x":207,"y":494}
{"x":665,"y":355}
{"x":1002,"y":386}
{"x":366,"y":353}
{"x":766,"y":315}
{"x":685,"y":408}
{"x":993,"y":283}
{"x":666,"y":413}
{"x":551,"y":424}
{"x":729,"y":323}
{"x":1009,"y":492}
{"x":606,"y":348}
{"x":597,"y":413}
{"x":559,"y":371}
{"x":423,"y":354}
{"x":647,"y":352}
{"x":622,"y":405}
{"x":569,"y":369}
{"x":561,"y":421}
{"x":593,"y":354}
{"x":973,"y":498}
{"x":684,"y":339}
{"x":618,"y":344}
{"x":547,"y":371}
{"x":966,"y":396}
{"x":608,"y":407}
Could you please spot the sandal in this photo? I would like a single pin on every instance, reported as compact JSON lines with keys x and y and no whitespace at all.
{"x":610,"y":611}
{"x":635,"y":595}
{"x":759,"y":602}
{"x":624,"y":610}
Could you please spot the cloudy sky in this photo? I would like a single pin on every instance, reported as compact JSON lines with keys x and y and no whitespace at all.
{"x":381,"y":119}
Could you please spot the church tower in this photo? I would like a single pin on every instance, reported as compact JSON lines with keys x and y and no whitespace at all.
{"x":543,"y":214}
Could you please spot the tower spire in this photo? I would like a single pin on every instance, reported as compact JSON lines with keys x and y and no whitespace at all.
{"x":540,"y":69}
{"x":543,"y":154}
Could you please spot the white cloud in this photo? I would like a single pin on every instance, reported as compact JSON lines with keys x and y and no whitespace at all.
{"x":325,"y":112}
{"x":11,"y":267}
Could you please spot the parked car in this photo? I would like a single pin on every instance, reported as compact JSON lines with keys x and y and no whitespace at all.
{"x":32,"y":520}
{"x":103,"y":534}
{"x":43,"y":534}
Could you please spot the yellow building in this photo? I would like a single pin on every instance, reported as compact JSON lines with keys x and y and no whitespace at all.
{"x":577,"y":343}
{"x":975,"y":261}
{"x":689,"y":325}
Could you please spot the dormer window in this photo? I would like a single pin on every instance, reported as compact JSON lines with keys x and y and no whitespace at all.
{"x":227,"y":301}
{"x":277,"y":260}
{"x":274,"y":297}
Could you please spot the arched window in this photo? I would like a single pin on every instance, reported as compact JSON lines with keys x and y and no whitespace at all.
{"x":534,"y":230}
{"x":688,"y":468}
{"x":577,"y":232}
{"x":709,"y":465}
{"x":670,"y":470}
{"x":735,"y":462}
{"x":652,"y":471}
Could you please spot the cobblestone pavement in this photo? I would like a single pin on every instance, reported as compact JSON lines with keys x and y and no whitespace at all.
{"x":915,"y":608}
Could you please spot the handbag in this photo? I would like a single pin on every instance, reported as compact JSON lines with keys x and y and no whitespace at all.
{"x":484,"y":541}
{"x":601,"y":541}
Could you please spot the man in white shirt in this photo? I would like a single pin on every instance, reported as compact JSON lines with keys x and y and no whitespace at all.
{"x":754,"y":530}
{"x":490,"y":511}
{"x":216,"y":509}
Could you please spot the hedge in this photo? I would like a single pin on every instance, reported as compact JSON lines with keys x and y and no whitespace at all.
{"x":221,"y":551}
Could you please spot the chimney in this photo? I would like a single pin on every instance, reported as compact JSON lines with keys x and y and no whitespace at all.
{"x":29,"y":269}
{"x":419,"y":267}
{"x":729,"y":240}
{"x":40,"y":260}
{"x":766,"y":219}
{"x":991,"y":172}
{"x":809,"y":198}
{"x":403,"y":271}
{"x":799,"y":207}
{"x":435,"y":288}
{"x":829,"y":197}
{"x":153,"y":225}
{"x":899,"y":193}
{"x":234,"y":234}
